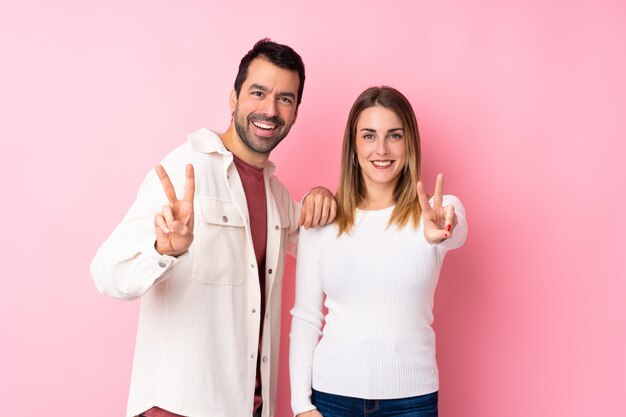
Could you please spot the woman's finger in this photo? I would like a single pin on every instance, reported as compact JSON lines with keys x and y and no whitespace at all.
{"x":439,"y":191}
{"x":423,"y":198}
{"x":450,"y":218}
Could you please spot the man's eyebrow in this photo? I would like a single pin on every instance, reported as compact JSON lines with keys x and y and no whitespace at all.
{"x":265,"y":89}
{"x":259,"y":87}
{"x":288,"y":94}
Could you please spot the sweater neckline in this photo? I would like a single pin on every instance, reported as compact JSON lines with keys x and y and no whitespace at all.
{"x":385,"y":210}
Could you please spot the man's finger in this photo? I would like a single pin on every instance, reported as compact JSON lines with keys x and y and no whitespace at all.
{"x":308,"y":212}
{"x":190,"y":183}
{"x":302,"y":216}
{"x":180,"y":228}
{"x":317,"y":212}
{"x":333,"y":210}
{"x":161,"y":224}
{"x":168,"y":215}
{"x":325,"y":212}
{"x":166,"y":183}
{"x":188,"y":221}
{"x":308,"y":219}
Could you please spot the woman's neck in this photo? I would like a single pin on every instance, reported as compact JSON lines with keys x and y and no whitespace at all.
{"x":378,"y":198}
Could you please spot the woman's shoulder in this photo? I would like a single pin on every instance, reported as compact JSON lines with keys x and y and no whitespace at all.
{"x":320,"y":233}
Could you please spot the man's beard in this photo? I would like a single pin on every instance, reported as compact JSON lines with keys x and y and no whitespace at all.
{"x":260,"y":144}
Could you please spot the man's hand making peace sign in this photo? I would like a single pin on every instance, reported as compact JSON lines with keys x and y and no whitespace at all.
{"x":174,"y":224}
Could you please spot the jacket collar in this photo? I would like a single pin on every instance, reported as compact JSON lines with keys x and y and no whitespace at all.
{"x":207,"y":141}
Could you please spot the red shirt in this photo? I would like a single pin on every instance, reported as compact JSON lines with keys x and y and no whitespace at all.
{"x":254,"y":187}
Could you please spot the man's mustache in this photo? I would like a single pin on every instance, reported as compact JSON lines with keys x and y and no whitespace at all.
{"x":277,"y":120}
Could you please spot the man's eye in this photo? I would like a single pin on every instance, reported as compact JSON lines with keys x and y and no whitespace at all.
{"x":257,"y":93}
{"x":286,"y":100}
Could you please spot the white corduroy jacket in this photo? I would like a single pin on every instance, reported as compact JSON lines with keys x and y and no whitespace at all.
{"x":198,"y":333}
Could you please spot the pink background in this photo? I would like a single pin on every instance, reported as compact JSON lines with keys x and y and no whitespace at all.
{"x":520,"y":103}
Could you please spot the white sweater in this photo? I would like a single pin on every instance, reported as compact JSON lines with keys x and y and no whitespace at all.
{"x":379,"y":282}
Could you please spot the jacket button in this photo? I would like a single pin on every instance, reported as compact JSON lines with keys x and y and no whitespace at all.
{"x":162,"y":264}
{"x":264,"y":359}
{"x":269,"y":271}
{"x":225,"y":219}
{"x":276,"y":227}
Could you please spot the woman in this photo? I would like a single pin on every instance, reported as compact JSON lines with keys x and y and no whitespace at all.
{"x":378,"y":267}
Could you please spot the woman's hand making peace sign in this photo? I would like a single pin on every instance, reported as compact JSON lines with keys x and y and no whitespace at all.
{"x":439,"y":221}
{"x":174,"y":224}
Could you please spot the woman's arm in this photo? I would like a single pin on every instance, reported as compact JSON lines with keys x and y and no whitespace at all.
{"x":306,"y":324}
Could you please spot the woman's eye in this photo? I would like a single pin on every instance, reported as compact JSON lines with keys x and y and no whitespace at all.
{"x":395,"y":136}
{"x":368,"y":136}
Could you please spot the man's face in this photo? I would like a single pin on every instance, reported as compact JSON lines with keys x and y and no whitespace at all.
{"x":267,"y":105}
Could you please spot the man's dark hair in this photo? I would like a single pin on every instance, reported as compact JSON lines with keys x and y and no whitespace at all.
{"x":282,"y":56}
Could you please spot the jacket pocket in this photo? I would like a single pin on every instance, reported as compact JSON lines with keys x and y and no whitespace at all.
{"x":219,"y":246}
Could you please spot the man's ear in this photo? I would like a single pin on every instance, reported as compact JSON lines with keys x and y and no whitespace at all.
{"x":295,"y":116}
{"x":233,"y":100}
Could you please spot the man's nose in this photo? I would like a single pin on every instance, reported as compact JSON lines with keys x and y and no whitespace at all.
{"x":269,"y":107}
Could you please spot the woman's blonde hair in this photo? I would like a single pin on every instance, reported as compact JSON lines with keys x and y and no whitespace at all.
{"x":351,"y":190}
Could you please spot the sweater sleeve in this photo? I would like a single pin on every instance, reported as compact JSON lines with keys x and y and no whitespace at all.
{"x":127,"y":264}
{"x":459,"y":234}
{"x":307,"y":318}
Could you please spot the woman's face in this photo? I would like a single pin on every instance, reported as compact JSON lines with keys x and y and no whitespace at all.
{"x":380,"y":146}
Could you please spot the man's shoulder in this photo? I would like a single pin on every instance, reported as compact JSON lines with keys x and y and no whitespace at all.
{"x":205,"y":141}
{"x":199,"y":144}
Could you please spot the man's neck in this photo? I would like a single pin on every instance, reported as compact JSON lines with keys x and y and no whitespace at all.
{"x":234,"y":144}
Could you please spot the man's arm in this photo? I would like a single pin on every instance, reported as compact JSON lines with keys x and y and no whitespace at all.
{"x":128,"y":262}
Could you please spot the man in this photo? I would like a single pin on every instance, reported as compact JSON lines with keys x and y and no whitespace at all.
{"x":208,"y":264}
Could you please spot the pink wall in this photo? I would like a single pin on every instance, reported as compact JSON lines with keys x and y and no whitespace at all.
{"x":521,"y":104}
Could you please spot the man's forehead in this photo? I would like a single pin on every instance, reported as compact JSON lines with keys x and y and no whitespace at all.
{"x":263,"y":72}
